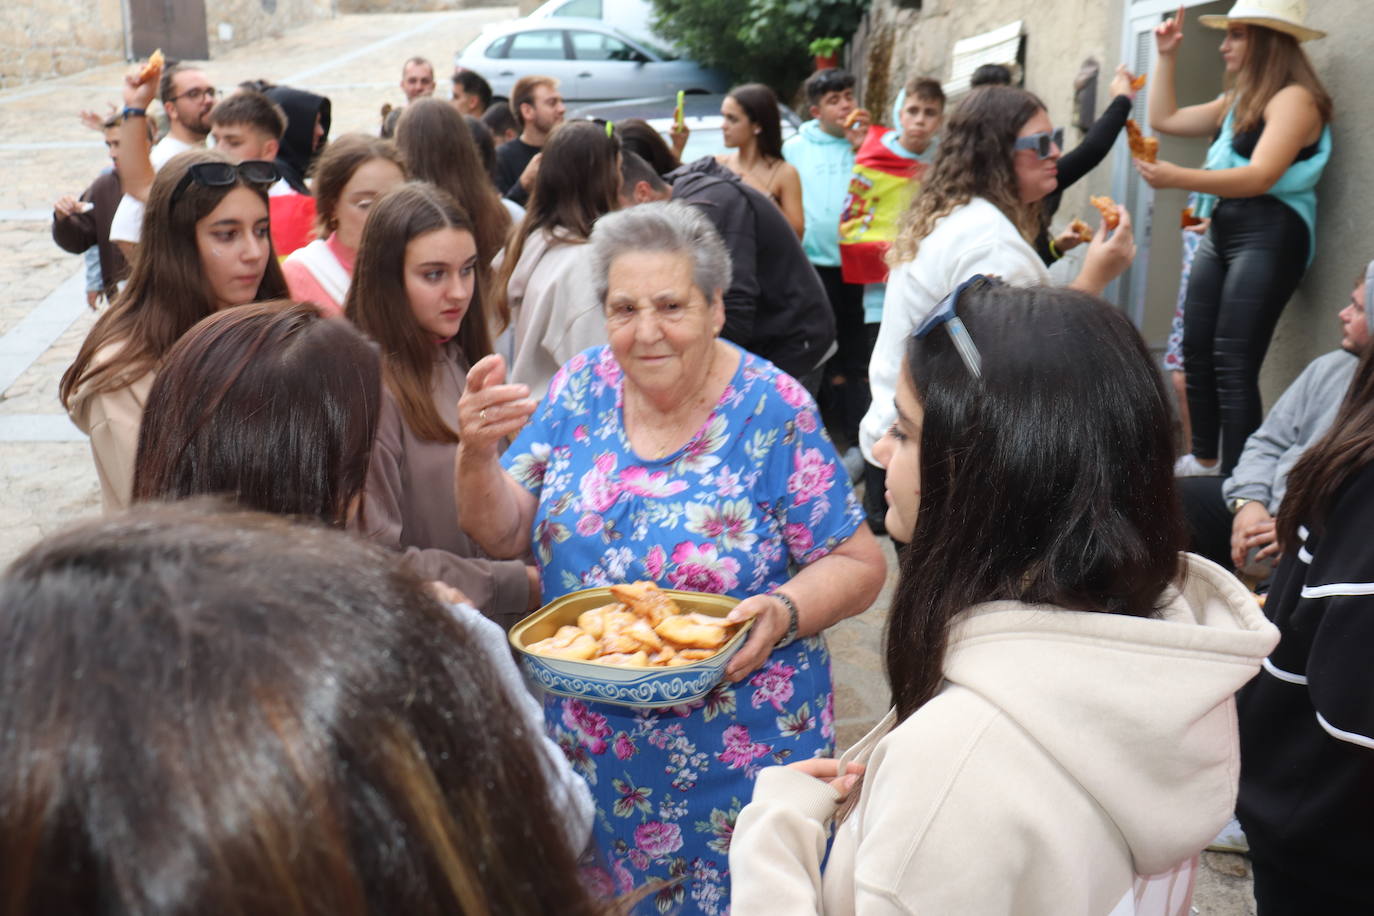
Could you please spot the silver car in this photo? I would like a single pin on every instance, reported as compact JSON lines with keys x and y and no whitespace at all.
{"x":591,"y":60}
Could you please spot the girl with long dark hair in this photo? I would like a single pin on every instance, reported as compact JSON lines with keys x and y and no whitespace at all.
{"x":439,"y":149}
{"x":1307,"y":723}
{"x":549,"y":303}
{"x":206,"y":246}
{"x":1271,"y":141}
{"x":269,"y":404}
{"x":1063,"y":723}
{"x":239,"y":714}
{"x":752,"y":127}
{"x":416,"y":293}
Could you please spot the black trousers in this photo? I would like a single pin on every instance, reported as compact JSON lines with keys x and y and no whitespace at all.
{"x":1245,"y":271}
{"x":1209,"y":519}
{"x":1278,"y":893}
{"x":847,"y":402}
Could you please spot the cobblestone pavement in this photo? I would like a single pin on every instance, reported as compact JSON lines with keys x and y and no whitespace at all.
{"x":46,"y":476}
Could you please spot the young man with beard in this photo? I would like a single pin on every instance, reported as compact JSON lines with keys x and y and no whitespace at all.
{"x":187,"y":98}
{"x":538,"y":108}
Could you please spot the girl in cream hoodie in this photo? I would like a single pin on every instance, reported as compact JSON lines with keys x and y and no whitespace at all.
{"x":1062,"y":677}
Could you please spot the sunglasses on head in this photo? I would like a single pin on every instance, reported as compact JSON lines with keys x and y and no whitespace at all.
{"x":945,"y":315}
{"x":1042,"y":142}
{"x":224,"y":174}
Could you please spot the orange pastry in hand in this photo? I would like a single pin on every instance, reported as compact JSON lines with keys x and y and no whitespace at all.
{"x":1107,"y":207}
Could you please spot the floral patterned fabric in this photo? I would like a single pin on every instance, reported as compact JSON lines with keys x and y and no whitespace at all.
{"x":756,"y":493}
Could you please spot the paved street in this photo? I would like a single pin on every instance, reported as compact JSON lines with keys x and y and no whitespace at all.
{"x":46,"y":476}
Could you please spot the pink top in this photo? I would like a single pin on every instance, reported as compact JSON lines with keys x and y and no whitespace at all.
{"x":303,"y":285}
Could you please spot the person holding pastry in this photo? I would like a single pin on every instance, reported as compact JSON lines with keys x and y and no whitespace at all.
{"x":1271,"y":141}
{"x":674,"y":456}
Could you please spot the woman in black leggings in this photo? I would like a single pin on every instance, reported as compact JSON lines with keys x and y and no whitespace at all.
{"x":1271,"y":142}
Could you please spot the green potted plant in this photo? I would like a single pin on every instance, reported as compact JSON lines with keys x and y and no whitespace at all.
{"x":826,"y":52}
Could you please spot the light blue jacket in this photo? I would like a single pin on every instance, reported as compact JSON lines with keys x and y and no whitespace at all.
{"x":826,"y":164}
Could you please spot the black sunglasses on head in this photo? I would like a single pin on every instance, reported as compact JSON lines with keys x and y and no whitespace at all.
{"x":224,"y":174}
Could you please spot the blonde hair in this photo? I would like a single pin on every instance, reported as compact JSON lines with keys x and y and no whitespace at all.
{"x":975,"y":160}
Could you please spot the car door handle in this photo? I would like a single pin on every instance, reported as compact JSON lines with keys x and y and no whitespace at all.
{"x":508,"y":73}
{"x":585,"y":76}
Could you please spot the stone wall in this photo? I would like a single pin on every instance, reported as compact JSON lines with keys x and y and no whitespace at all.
{"x":231,"y":23}
{"x":44,"y":38}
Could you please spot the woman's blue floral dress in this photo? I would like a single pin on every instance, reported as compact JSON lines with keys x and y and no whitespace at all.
{"x":755,"y":494}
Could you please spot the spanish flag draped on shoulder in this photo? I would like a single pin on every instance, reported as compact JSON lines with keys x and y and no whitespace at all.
{"x":886,"y":177}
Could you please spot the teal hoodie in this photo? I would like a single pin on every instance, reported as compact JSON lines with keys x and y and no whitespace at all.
{"x":826,"y":164}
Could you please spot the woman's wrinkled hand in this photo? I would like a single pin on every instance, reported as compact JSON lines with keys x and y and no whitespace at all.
{"x":490,"y":410}
{"x":826,"y":769}
{"x":770,"y":618}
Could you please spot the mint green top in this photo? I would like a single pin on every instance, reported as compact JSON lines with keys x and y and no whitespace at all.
{"x":1296,"y":187}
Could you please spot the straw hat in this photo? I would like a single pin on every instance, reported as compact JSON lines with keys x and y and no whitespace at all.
{"x":1280,"y":15}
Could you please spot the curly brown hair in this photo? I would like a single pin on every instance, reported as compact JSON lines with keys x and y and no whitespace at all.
{"x":974,"y":160}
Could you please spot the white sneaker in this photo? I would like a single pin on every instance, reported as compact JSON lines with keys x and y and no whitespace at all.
{"x":853,"y":461}
{"x":1231,"y":839}
{"x":1188,"y":466}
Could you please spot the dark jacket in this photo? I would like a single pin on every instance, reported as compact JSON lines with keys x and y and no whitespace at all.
{"x":1079,"y":161}
{"x":80,"y":231}
{"x":776,"y":306}
{"x":298,"y":151}
{"x":511,"y":159}
{"x":1307,"y":721}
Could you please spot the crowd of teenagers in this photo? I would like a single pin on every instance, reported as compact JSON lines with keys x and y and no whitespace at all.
{"x":360,"y":404}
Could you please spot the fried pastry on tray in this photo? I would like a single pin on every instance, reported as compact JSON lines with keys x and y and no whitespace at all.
{"x":649,"y":629}
{"x":1082,"y":230}
{"x":647,"y":600}
{"x":568,"y":642}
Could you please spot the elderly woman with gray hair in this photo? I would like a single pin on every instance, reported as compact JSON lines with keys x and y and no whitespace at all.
{"x":673,"y":455}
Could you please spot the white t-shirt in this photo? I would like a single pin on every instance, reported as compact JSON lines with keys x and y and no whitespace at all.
{"x":128,"y":217}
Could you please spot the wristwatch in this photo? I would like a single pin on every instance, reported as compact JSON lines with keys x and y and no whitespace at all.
{"x":131,"y":112}
{"x":791,"y":635}
{"x":1239,"y":501}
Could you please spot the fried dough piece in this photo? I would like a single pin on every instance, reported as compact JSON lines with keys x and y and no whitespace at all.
{"x":663,"y":656}
{"x":1107,"y":207}
{"x":1138,"y":83}
{"x":691,"y":631}
{"x":638,"y":659}
{"x":594,"y":622}
{"x":1188,"y":220}
{"x":569,"y":642}
{"x":642,"y":631}
{"x":647,"y":600}
{"x":1144,"y":148}
{"x":854,"y":116}
{"x":1078,"y":228}
{"x":152,"y":70}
